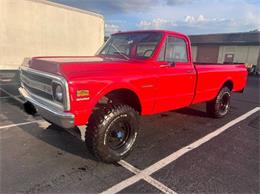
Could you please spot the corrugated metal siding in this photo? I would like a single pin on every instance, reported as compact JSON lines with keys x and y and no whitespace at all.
{"x":245,"y":38}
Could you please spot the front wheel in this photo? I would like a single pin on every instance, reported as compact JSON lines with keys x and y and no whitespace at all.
{"x":220,"y":106}
{"x":112,"y":131}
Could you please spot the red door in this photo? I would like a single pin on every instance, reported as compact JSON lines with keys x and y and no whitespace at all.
{"x":176,"y":76}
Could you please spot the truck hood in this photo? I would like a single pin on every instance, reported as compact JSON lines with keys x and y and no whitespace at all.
{"x":66,"y":66}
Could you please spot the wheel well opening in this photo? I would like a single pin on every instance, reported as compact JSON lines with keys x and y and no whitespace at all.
{"x":124,"y":96}
{"x":229,"y":84}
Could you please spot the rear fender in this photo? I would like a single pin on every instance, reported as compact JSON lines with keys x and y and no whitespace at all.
{"x":225,"y":81}
{"x":221,"y":86}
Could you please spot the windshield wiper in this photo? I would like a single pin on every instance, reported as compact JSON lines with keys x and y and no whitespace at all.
{"x":119,"y":52}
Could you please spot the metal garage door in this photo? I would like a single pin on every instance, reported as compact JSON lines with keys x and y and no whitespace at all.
{"x":208,"y":54}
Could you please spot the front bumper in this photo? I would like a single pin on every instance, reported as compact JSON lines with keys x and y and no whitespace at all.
{"x":60,"y":118}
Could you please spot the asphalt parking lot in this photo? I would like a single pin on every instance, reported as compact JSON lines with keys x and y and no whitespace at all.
{"x":182,"y":151}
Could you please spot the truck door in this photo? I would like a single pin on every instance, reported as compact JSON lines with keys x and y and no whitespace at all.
{"x":176,"y":75}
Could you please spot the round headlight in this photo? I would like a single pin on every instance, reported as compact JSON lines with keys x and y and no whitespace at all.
{"x":58,"y":93}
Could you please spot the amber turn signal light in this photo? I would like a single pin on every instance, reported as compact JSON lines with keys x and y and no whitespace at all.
{"x":82,"y":93}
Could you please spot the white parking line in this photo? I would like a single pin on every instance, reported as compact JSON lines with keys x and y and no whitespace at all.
{"x":11,"y":95}
{"x":172,"y":157}
{"x":147,"y":178}
{"x":40,"y":122}
{"x":158,"y":185}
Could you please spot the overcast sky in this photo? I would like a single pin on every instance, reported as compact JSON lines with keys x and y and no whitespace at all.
{"x":187,"y":16}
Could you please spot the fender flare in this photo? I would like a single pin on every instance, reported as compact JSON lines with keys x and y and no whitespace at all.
{"x":225,"y":81}
{"x":108,"y":89}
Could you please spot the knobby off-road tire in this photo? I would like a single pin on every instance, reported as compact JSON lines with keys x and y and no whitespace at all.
{"x":220,"y":106}
{"x":111,"y":132}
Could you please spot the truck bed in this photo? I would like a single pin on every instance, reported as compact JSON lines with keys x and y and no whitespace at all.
{"x":210,"y":76}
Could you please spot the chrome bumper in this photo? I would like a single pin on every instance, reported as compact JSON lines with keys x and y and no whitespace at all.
{"x":60,"y":118}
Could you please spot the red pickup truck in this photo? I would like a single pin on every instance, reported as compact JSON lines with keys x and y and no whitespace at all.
{"x":134,"y":73}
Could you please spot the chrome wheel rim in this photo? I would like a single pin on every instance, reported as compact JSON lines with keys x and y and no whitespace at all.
{"x":224,"y":103}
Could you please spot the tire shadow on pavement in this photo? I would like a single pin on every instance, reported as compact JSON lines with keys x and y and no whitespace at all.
{"x":192,"y":112}
{"x":60,"y":139}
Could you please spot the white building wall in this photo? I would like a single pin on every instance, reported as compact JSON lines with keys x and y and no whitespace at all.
{"x":194,"y":53}
{"x":38,"y":28}
{"x":245,"y":54}
{"x":253,"y":53}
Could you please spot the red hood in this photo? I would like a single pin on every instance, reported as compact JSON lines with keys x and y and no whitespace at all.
{"x":70,"y":65}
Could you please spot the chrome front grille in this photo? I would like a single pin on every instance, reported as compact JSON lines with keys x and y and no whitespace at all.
{"x":37,"y":84}
{"x":40,"y":86}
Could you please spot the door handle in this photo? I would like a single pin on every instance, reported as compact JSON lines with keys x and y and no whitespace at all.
{"x":165,"y":66}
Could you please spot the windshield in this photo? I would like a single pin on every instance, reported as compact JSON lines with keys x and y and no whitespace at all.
{"x":132,"y":45}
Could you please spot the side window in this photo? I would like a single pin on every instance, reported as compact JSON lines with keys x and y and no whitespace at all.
{"x":175,"y":51}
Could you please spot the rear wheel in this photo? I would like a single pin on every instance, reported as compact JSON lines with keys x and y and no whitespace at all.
{"x":220,"y":106}
{"x":112,"y":131}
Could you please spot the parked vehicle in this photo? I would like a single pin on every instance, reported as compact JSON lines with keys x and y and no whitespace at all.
{"x":252,"y":69}
{"x":133,"y":74}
